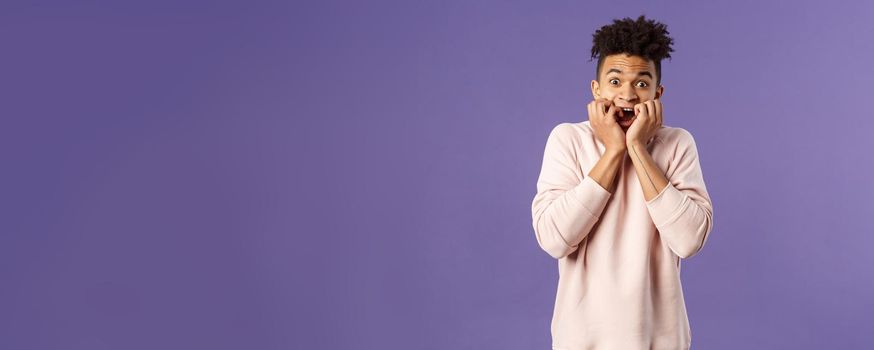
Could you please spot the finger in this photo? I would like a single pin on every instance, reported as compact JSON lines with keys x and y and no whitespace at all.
{"x":611,"y":112}
{"x":594,"y":117}
{"x":650,"y":110}
{"x":658,"y":107}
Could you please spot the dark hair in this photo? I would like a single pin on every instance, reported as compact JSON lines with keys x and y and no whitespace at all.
{"x":645,"y":38}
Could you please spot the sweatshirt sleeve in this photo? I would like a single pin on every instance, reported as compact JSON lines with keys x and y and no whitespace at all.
{"x":564,"y":208}
{"x":683,"y":212}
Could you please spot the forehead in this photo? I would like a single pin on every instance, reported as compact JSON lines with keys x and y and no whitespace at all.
{"x":629,"y":65}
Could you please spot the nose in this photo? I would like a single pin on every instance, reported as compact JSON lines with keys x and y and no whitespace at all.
{"x":627,"y":94}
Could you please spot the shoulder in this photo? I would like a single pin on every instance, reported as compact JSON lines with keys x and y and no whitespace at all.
{"x":571,"y":137}
{"x":674,"y":134}
{"x":673,"y":137}
{"x":677,"y":144}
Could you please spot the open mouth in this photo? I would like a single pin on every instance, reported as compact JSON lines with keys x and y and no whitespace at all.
{"x":625,"y":117}
{"x":625,"y":113}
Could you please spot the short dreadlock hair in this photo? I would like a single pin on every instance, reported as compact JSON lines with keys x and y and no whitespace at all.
{"x":642,"y":37}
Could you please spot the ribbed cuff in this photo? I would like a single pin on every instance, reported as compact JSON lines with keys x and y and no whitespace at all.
{"x":591,"y":196}
{"x":666,"y":206}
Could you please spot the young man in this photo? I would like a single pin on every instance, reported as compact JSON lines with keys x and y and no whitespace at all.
{"x":620,"y":201}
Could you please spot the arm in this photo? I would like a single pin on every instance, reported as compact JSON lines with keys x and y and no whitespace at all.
{"x":680,"y":208}
{"x":565,"y":209}
{"x":652,"y":181}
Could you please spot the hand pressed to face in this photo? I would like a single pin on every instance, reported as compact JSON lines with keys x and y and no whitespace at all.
{"x":647,"y":120}
{"x":602,"y":118}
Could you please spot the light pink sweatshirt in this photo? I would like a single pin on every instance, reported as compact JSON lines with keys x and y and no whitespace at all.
{"x":619,"y":255}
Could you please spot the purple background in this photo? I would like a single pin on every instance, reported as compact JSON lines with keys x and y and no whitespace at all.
{"x":359,"y":175}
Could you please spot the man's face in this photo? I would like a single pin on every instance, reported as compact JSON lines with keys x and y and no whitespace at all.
{"x":626,"y":81}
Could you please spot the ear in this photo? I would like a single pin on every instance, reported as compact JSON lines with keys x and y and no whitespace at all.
{"x":596,"y":89}
{"x":660,"y":91}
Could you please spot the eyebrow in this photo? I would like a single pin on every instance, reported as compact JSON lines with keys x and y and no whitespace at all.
{"x":614,"y":70}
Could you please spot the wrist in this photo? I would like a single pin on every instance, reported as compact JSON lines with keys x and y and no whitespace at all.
{"x":616,"y":151}
{"x":631,"y":143}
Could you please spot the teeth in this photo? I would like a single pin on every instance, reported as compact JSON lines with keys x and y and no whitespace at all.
{"x":626,"y":113}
